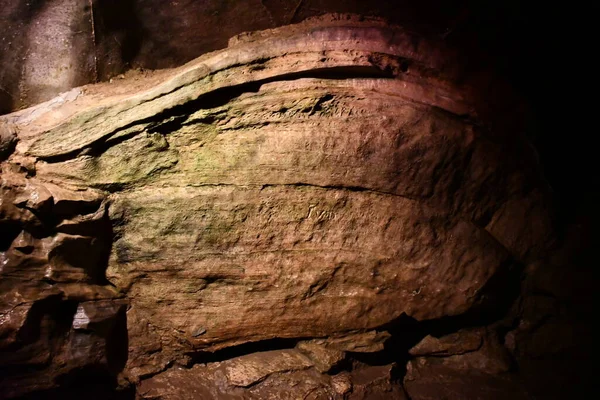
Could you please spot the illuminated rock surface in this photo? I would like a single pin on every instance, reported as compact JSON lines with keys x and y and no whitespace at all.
{"x":332,"y":181}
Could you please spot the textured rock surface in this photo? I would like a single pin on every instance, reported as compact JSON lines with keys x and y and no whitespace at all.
{"x":278,"y":374}
{"x":315,"y":182}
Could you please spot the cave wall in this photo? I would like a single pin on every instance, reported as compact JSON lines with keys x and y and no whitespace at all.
{"x":45,"y":48}
{"x":327,"y":184}
{"x":49,"y":47}
{"x":546,"y":334}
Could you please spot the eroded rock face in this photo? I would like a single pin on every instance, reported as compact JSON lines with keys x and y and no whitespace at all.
{"x":315,"y":182}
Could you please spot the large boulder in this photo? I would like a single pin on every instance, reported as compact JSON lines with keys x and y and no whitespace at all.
{"x":318,"y":181}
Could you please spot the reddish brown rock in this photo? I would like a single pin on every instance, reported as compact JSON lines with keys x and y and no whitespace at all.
{"x":315,"y":182}
{"x":469,"y":350}
{"x":460,"y":342}
{"x":323,"y":357}
{"x":57,"y":316}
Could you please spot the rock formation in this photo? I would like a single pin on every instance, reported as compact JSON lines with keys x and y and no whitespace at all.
{"x":265,"y":221}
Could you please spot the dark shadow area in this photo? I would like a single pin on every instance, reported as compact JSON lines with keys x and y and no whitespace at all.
{"x":530,"y":43}
{"x":48,"y":330}
{"x":9,"y":230}
{"x":105,"y":237}
{"x":44,"y":330}
{"x":117,"y":344}
{"x":92,"y":382}
{"x":496,"y":299}
{"x":59,"y":314}
{"x":119,"y":34}
{"x":534,"y":46}
{"x":89,"y":245}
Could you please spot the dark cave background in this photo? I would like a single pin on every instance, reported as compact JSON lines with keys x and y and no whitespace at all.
{"x":544,"y":51}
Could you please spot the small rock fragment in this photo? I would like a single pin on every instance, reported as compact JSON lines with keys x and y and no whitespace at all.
{"x":324,"y":358}
{"x":341,"y":383}
{"x":34,"y":196}
{"x":24,"y":242}
{"x":459,"y":342}
{"x":199,"y":331}
{"x":246,"y":370}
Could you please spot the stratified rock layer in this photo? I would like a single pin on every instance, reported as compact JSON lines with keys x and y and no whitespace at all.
{"x":322,"y":180}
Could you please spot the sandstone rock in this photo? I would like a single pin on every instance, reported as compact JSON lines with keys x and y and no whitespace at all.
{"x":461,"y":342}
{"x":24,"y":242}
{"x":341,"y":383}
{"x":277,"y":374}
{"x":231,"y":378}
{"x":323,"y":358}
{"x":367,"y":342}
{"x":316,"y":182}
{"x":72,"y":202}
{"x":469,"y":350}
{"x":255,"y":367}
{"x":35,"y":197}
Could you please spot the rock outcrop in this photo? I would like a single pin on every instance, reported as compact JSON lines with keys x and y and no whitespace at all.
{"x":315,"y":185}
